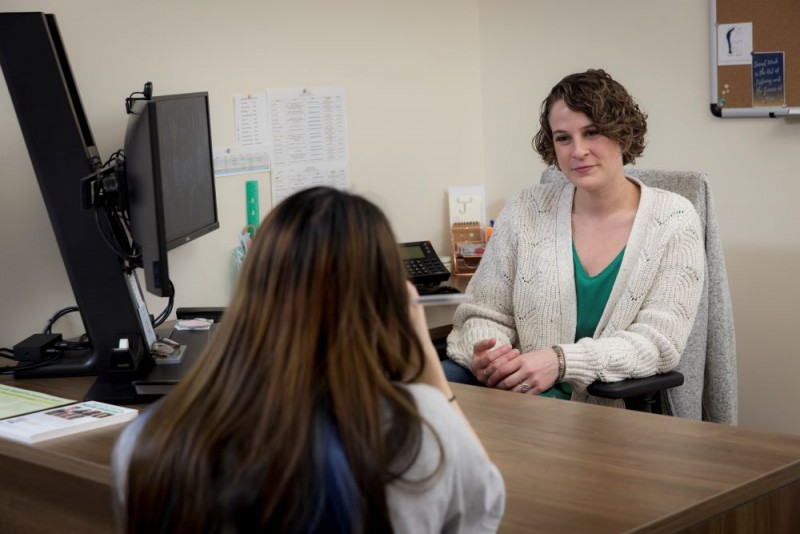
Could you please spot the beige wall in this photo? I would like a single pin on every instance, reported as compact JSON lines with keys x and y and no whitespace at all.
{"x":410,"y":71}
{"x":440,"y":93}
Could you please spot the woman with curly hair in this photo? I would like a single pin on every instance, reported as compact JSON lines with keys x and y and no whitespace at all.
{"x":596,"y":277}
{"x":319,"y":404}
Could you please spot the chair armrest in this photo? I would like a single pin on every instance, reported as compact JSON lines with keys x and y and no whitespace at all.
{"x":635,"y":387}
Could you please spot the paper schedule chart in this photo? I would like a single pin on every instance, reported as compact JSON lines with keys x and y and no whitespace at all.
{"x":298,"y":135}
{"x":307,"y":125}
{"x":308,"y":135}
{"x":288,"y":179}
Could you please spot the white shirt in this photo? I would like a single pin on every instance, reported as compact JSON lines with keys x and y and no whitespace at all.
{"x":467,"y":495}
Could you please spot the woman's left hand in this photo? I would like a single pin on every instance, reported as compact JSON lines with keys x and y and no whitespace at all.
{"x":531,"y":372}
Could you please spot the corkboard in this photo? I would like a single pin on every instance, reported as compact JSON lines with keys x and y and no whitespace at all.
{"x":773,"y":26}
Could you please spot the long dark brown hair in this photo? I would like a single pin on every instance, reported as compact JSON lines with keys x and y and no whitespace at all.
{"x":292,"y":420}
{"x":608,"y":105}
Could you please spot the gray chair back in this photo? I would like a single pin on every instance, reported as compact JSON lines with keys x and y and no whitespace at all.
{"x":708,"y":362}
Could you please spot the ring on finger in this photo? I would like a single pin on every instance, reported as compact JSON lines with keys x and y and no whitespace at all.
{"x":524,"y":388}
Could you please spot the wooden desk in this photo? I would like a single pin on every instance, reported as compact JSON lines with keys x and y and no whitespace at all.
{"x":572,"y":467}
{"x":568,"y":467}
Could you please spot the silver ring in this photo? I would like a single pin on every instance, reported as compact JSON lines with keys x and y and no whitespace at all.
{"x":525,"y":388}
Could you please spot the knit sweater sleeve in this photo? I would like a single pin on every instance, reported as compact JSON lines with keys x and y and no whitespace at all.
{"x":653,"y":316}
{"x":490,"y":313}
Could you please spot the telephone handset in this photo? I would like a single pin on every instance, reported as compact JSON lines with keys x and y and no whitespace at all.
{"x":423,"y":264}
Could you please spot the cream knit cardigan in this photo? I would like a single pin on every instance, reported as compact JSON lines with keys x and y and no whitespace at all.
{"x":524,"y":290}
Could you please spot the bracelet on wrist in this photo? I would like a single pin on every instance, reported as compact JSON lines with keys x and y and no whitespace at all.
{"x":562,"y":363}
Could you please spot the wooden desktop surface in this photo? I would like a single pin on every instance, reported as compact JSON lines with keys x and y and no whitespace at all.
{"x":568,"y":467}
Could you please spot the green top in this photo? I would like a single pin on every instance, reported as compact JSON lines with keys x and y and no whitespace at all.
{"x":592,"y":294}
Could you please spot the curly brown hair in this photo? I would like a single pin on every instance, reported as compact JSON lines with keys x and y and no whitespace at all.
{"x":607,"y":104}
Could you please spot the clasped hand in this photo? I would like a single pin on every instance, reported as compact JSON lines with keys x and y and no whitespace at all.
{"x":504,"y":367}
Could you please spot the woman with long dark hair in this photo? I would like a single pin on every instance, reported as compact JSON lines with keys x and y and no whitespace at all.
{"x":319,"y":403}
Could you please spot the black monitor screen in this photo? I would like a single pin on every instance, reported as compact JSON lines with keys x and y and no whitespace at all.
{"x":170,"y":199}
{"x":169,"y":166}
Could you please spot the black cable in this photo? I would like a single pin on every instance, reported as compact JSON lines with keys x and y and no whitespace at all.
{"x":6,"y":353}
{"x":165,"y":313}
{"x":82,"y":343}
{"x":113,"y":223}
{"x":10,"y":370}
{"x":117,"y":156}
{"x":58,"y":315}
{"x":120,"y":230}
{"x":119,"y":225}
{"x":109,"y":242}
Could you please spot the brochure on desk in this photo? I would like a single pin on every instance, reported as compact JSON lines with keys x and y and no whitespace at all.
{"x":17,"y":401}
{"x":64,"y":421}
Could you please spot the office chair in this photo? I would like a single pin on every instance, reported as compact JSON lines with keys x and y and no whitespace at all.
{"x":708,"y":363}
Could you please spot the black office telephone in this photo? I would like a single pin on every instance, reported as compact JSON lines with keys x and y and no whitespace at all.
{"x":423,"y":264}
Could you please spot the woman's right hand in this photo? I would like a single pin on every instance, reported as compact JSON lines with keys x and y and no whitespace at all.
{"x":487,"y":359}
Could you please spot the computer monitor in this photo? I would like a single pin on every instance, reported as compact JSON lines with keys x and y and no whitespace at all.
{"x":170,"y":179}
{"x":63,"y":153}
